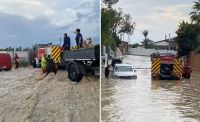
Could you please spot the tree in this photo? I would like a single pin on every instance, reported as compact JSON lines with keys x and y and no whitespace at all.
{"x":127,"y":25}
{"x":145,"y":41}
{"x":187,"y":38}
{"x":135,"y":45}
{"x":114,"y":23}
{"x":145,"y":33}
{"x":110,"y":3}
{"x":20,"y":48}
{"x":195,"y":15}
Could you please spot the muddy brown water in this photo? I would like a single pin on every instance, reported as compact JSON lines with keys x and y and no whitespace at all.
{"x":24,"y":97}
{"x":144,"y":100}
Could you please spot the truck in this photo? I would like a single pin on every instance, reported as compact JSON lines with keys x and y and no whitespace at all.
{"x":5,"y":62}
{"x":167,"y":67}
{"x":78,"y":62}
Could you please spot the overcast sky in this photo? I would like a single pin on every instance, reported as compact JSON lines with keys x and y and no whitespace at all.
{"x":160,"y":17}
{"x":26,"y":22}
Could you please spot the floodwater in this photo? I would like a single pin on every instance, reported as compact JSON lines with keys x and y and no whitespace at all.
{"x":144,"y":100}
{"x":25,"y":97}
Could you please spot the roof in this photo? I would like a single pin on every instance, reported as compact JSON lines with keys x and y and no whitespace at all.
{"x":166,"y":40}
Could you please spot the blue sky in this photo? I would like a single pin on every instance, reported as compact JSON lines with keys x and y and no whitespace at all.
{"x":160,"y":17}
{"x":26,"y":22}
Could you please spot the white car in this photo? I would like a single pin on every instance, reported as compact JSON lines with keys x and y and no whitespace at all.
{"x":124,"y":71}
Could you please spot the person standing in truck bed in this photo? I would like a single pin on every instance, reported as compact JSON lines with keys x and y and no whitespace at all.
{"x":67,"y":43}
{"x":79,"y":39}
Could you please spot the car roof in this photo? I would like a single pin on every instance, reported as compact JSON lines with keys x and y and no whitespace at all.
{"x":122,"y":65}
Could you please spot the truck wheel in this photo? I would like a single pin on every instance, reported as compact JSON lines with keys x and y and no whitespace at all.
{"x":73,"y":73}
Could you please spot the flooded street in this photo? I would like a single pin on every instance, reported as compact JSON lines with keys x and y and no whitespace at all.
{"x":24,"y":97}
{"x":144,"y":100}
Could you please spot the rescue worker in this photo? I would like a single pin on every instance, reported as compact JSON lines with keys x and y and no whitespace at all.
{"x":90,"y":43}
{"x":43,"y":63}
{"x":16,"y":59}
{"x":67,"y":43}
{"x":50,"y":65}
{"x":35,"y":62}
{"x":107,"y":72}
{"x":79,"y":39}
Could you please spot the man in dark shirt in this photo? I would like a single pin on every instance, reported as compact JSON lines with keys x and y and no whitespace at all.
{"x":50,"y":65}
{"x":67,"y":43}
{"x":79,"y":39}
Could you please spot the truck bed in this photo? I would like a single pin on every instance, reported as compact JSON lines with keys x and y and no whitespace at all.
{"x":82,"y":54}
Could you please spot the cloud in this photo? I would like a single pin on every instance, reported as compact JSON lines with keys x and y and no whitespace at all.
{"x":39,"y":21}
{"x":160,"y":17}
{"x":34,"y":9}
{"x":172,"y":13}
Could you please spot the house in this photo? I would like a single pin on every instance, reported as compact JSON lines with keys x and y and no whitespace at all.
{"x":166,"y":44}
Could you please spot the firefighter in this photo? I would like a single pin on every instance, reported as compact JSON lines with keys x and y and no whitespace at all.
{"x":16,"y":59}
{"x":50,"y":65}
{"x":90,"y":43}
{"x":79,"y":39}
{"x":188,"y":72}
{"x":67,"y":43}
{"x":107,"y":71}
{"x":43,"y":63}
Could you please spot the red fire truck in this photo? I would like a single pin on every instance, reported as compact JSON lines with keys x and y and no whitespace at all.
{"x":168,"y":67}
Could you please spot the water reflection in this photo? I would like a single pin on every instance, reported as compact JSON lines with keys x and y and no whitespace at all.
{"x":146,"y":100}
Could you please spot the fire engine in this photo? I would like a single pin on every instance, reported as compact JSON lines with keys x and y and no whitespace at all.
{"x":168,"y":67}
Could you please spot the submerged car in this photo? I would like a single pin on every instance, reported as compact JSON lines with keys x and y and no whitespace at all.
{"x":124,"y":71}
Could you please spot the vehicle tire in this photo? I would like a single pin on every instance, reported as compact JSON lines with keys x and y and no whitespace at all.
{"x":74,"y":73}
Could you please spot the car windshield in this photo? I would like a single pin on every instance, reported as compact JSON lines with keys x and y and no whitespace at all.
{"x":123,"y":68}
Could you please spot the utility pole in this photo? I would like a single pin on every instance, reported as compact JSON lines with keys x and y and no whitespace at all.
{"x":60,"y":41}
{"x":169,"y":42}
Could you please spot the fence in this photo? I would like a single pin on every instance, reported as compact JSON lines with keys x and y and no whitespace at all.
{"x":146,"y":52}
{"x":194,"y":59}
{"x":24,"y":56}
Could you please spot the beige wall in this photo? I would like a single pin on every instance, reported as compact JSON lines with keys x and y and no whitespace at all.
{"x":194,"y":61}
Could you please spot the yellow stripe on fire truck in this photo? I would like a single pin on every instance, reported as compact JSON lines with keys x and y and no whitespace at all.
{"x":178,"y":68}
{"x":56,"y":54}
{"x":155,"y":67}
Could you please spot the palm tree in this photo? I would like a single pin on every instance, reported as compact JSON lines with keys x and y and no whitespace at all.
{"x":145,"y":42}
{"x":195,"y":15}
